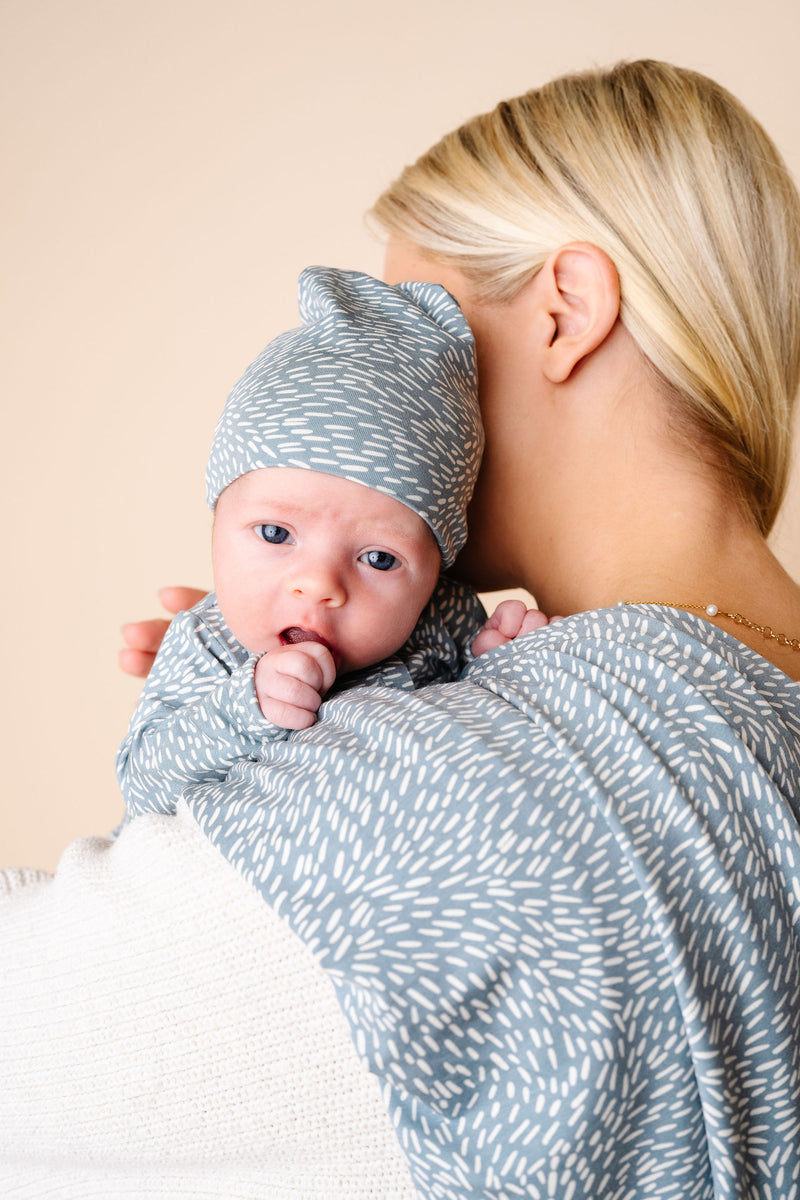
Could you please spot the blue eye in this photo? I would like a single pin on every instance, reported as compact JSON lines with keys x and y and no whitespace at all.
{"x":274,"y":534}
{"x":381,"y":560}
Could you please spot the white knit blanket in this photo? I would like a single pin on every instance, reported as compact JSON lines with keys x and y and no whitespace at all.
{"x":163,"y":1034}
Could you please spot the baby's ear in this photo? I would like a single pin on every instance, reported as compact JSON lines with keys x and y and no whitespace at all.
{"x":580,"y":287}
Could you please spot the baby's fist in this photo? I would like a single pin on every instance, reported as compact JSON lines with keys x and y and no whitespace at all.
{"x":510,"y":619}
{"x":290,"y":682}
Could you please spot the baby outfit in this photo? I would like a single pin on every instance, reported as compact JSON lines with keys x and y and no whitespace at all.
{"x":378,"y":386}
{"x":198,"y":713}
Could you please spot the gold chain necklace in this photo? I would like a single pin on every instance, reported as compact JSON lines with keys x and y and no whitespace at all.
{"x":711,"y":610}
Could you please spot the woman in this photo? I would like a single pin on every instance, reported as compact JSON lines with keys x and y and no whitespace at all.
{"x":558,"y":901}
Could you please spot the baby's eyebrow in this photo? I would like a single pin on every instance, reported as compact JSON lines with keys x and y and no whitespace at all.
{"x":268,"y":506}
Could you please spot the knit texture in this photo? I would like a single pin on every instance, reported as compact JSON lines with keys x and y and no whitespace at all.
{"x":163,"y":1035}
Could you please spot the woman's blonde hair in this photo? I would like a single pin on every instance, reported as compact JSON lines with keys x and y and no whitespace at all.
{"x":667,"y":173}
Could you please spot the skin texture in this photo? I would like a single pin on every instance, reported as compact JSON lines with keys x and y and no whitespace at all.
{"x":310,"y":598}
{"x":508,"y":621}
{"x":584,"y":497}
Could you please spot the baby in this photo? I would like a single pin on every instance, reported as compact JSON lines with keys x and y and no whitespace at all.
{"x":339,"y":476}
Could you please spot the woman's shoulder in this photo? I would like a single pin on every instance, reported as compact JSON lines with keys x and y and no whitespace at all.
{"x":639,"y":643}
{"x":649,"y":675}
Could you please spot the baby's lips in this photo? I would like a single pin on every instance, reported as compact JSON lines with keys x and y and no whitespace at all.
{"x":294,"y":634}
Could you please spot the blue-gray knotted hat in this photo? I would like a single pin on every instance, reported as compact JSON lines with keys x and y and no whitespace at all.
{"x":378,"y":385}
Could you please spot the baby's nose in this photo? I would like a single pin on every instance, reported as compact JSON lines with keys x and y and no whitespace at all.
{"x":321,"y":585}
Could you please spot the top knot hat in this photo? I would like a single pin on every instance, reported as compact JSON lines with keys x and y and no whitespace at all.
{"x":378,"y":386}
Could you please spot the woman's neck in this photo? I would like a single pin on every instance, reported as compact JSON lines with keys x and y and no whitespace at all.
{"x":668,"y":535}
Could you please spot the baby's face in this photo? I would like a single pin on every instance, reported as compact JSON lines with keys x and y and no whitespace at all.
{"x":299,"y":555}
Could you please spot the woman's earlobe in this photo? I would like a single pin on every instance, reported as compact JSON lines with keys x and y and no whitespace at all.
{"x":583,"y":295}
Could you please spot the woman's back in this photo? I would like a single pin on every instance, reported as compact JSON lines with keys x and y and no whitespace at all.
{"x":569,"y":946}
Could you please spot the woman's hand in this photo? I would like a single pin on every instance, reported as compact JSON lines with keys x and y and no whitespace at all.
{"x":290,"y":682}
{"x":143,"y":638}
{"x":510,"y":619}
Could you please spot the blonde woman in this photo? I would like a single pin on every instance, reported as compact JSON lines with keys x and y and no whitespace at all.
{"x":558,"y":901}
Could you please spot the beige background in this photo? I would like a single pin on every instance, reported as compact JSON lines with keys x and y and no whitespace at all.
{"x":168,"y":168}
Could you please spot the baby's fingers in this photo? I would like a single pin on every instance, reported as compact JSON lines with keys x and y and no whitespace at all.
{"x":508,"y":621}
{"x":317,"y":666}
{"x":507,"y":618}
{"x":503,"y":625}
{"x":285,"y":715}
{"x":487,"y":639}
{"x":310,"y":663}
{"x":286,"y":700}
{"x":534,"y":619}
{"x":290,"y":682}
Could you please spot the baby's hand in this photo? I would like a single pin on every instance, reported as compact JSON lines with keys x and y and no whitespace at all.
{"x":291,"y":681}
{"x":509,"y":620}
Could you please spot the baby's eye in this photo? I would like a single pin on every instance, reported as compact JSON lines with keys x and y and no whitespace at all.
{"x":274,"y":534}
{"x":381,"y":560}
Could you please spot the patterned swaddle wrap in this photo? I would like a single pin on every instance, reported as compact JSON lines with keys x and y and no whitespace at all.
{"x":378,"y":386}
{"x":559,"y":904}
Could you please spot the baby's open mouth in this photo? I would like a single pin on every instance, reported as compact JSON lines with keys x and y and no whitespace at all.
{"x":294,"y":634}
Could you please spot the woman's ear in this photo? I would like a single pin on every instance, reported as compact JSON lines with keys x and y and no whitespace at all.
{"x":580,"y":288}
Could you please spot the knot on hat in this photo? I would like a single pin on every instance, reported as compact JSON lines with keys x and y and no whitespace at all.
{"x":378,"y":386}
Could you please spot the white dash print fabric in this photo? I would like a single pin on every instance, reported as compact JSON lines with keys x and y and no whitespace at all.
{"x":378,"y":386}
{"x":559,"y":901}
{"x":198,"y":712}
